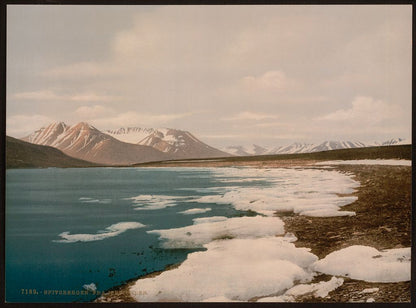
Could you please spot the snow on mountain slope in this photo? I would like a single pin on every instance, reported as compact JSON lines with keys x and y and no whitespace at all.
{"x":337,"y":145}
{"x":180,"y":144}
{"x":245,"y":151}
{"x":47,"y":135}
{"x":292,"y":149}
{"x":88,"y":143}
{"x":396,"y":141}
{"x":309,"y":148}
{"x":130,"y":134}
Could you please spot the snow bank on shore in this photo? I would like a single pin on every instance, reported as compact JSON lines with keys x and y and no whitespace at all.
{"x":367,"y":263}
{"x":320,"y":289}
{"x":205,"y":231}
{"x":308,"y":192}
{"x":237,"y":269}
{"x":387,"y":162}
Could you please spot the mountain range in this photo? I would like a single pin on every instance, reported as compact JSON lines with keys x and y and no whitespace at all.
{"x":122,"y":146}
{"x":130,"y":145}
{"x":297,"y":147}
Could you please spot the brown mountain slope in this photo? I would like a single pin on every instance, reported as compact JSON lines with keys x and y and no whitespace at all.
{"x":21,"y":154}
{"x":85,"y":142}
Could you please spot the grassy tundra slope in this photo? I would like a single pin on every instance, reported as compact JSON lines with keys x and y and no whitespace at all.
{"x":20,"y":154}
{"x":384,"y":152}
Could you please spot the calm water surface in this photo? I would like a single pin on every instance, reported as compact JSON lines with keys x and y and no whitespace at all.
{"x":43,"y":203}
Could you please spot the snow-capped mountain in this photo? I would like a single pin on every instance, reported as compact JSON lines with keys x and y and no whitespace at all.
{"x":309,"y":148}
{"x":292,"y":148}
{"x":177,"y":143}
{"x":130,"y":134}
{"x":396,"y":141}
{"x":122,"y":146}
{"x":337,"y":145}
{"x":88,"y":143}
{"x":245,"y":151}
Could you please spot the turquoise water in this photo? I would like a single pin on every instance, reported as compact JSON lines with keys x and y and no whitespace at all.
{"x":43,"y":203}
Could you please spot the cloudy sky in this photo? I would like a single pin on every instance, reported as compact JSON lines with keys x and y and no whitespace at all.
{"x":269,"y":75}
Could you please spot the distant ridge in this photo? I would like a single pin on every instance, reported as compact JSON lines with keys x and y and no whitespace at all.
{"x":298,"y":148}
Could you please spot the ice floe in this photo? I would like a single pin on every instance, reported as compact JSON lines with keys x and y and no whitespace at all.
{"x":91,"y":287}
{"x":390,"y":162}
{"x":308,"y":192}
{"x":110,"y":231}
{"x":195,"y":236}
{"x":195,"y":211}
{"x":154,"y":202}
{"x":320,"y":289}
{"x":92,"y":200}
{"x":237,"y":269}
{"x":367,"y":263}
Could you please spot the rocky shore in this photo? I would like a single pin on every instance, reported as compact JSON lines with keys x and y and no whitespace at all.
{"x":382,"y":221}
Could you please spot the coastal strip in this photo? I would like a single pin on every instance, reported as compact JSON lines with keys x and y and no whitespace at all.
{"x":382,"y":221}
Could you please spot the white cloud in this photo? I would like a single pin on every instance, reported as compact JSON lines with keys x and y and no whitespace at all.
{"x":248,"y":115}
{"x":364,"y":109}
{"x":271,"y":80}
{"x":48,"y":95}
{"x":91,"y":112}
{"x":133,"y":118}
{"x":21,"y":125}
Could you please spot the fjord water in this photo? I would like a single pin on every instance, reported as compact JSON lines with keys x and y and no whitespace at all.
{"x":41,"y":204}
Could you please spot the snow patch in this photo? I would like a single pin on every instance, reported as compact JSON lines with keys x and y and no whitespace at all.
{"x":367,"y":263}
{"x":320,"y":289}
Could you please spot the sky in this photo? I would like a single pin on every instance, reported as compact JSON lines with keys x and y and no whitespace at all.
{"x":231,"y":75}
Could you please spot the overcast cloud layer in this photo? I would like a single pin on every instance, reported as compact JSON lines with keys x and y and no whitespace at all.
{"x":268,"y":75}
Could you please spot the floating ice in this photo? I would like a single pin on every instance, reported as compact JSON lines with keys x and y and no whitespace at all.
{"x":91,"y":200}
{"x":367,"y":263}
{"x":110,"y":231}
{"x":390,"y":162}
{"x":90,"y":287}
{"x":195,"y":211}
{"x":237,"y":269}
{"x":309,"y":192}
{"x":154,"y":202}
{"x":195,"y":236}
{"x":320,"y":289}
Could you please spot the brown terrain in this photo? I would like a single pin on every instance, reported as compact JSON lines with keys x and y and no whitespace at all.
{"x":383,"y":221}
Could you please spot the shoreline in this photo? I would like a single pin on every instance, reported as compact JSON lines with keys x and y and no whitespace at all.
{"x":382,"y":220}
